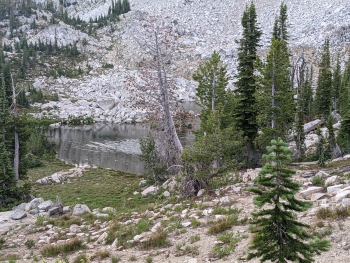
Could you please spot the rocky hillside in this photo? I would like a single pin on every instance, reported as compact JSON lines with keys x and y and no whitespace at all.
{"x":212,"y":227}
{"x":202,"y":25}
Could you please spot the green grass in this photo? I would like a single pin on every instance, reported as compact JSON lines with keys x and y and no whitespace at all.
{"x":97,"y":188}
{"x":339,"y":212}
{"x":228,"y":244}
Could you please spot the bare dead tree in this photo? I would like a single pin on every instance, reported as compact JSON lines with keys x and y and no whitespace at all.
{"x":152,"y":88}
{"x":15,"y":114}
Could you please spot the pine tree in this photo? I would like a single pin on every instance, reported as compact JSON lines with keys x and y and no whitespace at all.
{"x":343,"y":138}
{"x":246,"y":112}
{"x":280,"y":29}
{"x":343,"y":103}
{"x":274,"y":97}
{"x":278,"y":236}
{"x":8,"y":188}
{"x":323,"y":98}
{"x":336,"y":84}
{"x":307,"y":96}
{"x":212,"y":81}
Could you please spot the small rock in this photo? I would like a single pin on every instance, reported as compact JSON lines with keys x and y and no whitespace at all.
{"x":192,"y":260}
{"x":155,"y":227}
{"x":311,"y":190}
{"x":55,"y":210}
{"x":334,"y":188}
{"x":186,"y":224}
{"x":200,"y":192}
{"x":225,"y":200}
{"x":341,"y":195}
{"x":331,"y":180}
{"x":18,"y":214}
{"x":74,"y":228}
{"x":321,"y":174}
{"x":102,"y":239}
{"x":80,"y":209}
{"x":149,"y":190}
{"x":109,"y":209}
{"x":45,"y":205}
{"x":115,"y":243}
{"x":99,"y":215}
{"x":143,"y":182}
{"x":138,"y":237}
{"x":166,"y":194}
{"x":317,"y":196}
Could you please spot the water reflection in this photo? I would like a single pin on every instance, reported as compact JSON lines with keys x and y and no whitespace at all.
{"x":114,"y":146}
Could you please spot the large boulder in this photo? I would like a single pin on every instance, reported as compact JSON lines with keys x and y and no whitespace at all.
{"x":80,"y":209}
{"x":34,"y":204}
{"x":106,"y":104}
{"x":18,"y":214}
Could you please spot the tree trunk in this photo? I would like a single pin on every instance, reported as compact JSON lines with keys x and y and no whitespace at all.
{"x":163,"y":83}
{"x":15,"y":113}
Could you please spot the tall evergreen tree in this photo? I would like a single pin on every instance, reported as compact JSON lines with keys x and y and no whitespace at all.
{"x":246,"y":112}
{"x":280,"y":29}
{"x":212,"y":81}
{"x":275,"y":100}
{"x":307,"y":96}
{"x":8,"y":189}
{"x":323,"y":98}
{"x":274,"y":97}
{"x":278,"y":236}
{"x":343,"y":138}
{"x":343,"y":102}
{"x":336,"y":84}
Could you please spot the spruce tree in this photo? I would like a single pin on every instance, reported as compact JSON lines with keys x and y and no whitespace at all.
{"x":336,"y":84}
{"x":8,"y":189}
{"x":212,"y":81}
{"x":343,"y":138}
{"x":278,"y":236}
{"x":343,"y":102}
{"x":307,"y":96}
{"x":280,"y":29}
{"x":323,"y":98}
{"x":245,"y":112}
{"x":274,"y":96}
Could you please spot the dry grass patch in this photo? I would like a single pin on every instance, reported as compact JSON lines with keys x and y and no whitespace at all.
{"x":339,"y":212}
{"x":64,"y":248}
{"x":157,"y":240}
{"x":222,"y":224}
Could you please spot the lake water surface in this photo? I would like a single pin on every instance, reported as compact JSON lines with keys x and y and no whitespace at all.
{"x":108,"y":145}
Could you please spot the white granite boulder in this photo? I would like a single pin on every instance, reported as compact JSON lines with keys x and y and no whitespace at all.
{"x":80,"y":209}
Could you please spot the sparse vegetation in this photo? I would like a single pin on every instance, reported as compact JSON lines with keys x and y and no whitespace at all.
{"x":156,"y":240}
{"x":222,"y":225}
{"x":64,"y":248}
{"x":339,"y":212}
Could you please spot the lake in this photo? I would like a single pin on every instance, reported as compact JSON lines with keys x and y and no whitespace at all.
{"x":108,"y":145}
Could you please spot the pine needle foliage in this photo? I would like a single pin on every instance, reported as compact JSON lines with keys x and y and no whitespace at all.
{"x":245,"y":111}
{"x":278,"y":236}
